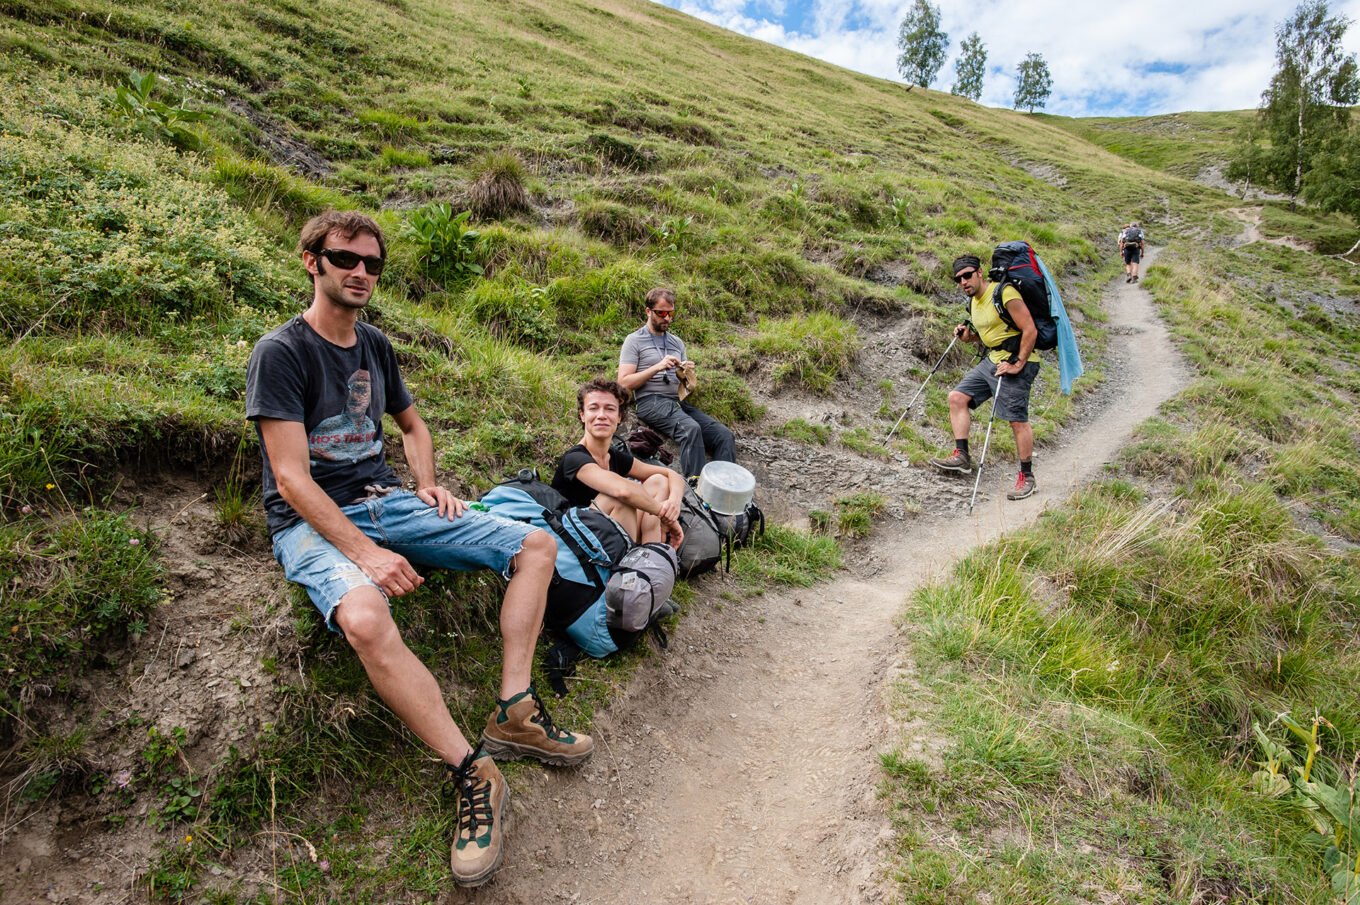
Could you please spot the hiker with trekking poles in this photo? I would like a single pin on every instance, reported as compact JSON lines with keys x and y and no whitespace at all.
{"x":1007,"y":371}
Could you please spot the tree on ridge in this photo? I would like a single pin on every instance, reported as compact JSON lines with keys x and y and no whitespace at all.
{"x":1034,"y":83}
{"x":970,"y":67}
{"x":922,"y":43}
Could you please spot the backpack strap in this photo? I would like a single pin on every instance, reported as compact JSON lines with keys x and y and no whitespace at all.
{"x":554,"y":521}
{"x":560,"y":665}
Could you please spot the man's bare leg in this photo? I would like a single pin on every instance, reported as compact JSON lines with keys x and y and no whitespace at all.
{"x":401,"y":680}
{"x":1024,"y":439}
{"x":522,"y":611}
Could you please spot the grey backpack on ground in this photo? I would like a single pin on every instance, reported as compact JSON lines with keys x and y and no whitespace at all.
{"x":640,"y":585}
{"x":702,"y":548}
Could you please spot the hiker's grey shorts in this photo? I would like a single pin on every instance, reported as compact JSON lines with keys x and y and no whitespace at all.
{"x":979,"y":385}
{"x":1132,"y":254}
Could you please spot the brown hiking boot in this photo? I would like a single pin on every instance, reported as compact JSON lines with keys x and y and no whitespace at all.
{"x":521,"y":727}
{"x":483,"y":815}
{"x":1024,"y":487}
{"x":958,"y":461}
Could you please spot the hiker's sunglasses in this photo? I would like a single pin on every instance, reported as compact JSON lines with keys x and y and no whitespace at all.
{"x":960,"y":277}
{"x":348,"y":260}
{"x":668,"y":315}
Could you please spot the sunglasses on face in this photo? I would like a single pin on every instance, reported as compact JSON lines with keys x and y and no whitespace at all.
{"x":666,"y":314}
{"x":348,"y":260}
{"x":960,"y":277}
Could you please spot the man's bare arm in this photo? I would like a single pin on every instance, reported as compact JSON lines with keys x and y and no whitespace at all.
{"x":419,"y":448}
{"x":286,"y":444}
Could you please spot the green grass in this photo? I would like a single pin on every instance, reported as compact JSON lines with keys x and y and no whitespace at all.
{"x":1096,"y":676}
{"x":1182,"y":143}
{"x":855,"y":514}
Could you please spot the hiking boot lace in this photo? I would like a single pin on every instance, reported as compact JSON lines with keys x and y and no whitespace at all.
{"x":545,"y":721}
{"x":475,"y":792}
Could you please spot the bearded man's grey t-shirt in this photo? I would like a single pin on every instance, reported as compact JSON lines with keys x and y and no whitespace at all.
{"x":339,"y":395}
{"x":644,"y":349}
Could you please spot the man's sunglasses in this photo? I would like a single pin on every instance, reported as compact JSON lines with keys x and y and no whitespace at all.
{"x":348,"y":260}
{"x":960,"y":277}
{"x":666,"y":314}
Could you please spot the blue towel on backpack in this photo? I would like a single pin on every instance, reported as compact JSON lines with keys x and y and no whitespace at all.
{"x":1069,"y":359}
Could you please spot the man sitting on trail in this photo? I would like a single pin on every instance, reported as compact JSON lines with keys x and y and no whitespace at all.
{"x":652,"y":364}
{"x":317,"y":389}
{"x":1007,"y":364}
{"x":1131,"y":247}
{"x":643,"y":499}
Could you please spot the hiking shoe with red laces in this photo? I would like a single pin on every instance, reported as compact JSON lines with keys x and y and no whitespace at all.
{"x":483,"y":815}
{"x":521,"y":727}
{"x":958,"y":461}
{"x":1024,"y":487}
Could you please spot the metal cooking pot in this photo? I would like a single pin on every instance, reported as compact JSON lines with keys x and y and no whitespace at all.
{"x":726,"y":487}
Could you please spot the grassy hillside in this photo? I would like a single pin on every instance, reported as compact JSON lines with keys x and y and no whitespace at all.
{"x":1182,"y":143}
{"x":603,"y":148}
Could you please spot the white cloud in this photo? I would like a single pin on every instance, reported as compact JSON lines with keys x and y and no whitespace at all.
{"x":1156,"y":56}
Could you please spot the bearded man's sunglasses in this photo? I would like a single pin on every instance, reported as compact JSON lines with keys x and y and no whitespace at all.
{"x":348,"y":260}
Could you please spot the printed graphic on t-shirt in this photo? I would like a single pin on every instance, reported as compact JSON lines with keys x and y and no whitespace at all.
{"x":350,"y":436}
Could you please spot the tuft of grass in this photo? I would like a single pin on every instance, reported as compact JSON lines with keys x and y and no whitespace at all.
{"x":812,"y":350}
{"x":614,"y":223}
{"x":855,"y":514}
{"x":804,"y":431}
{"x":498,"y":186}
{"x":784,"y":556}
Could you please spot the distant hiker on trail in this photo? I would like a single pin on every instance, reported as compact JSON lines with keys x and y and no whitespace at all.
{"x":653,"y":366}
{"x":317,"y":389}
{"x":1016,"y":371}
{"x":1131,"y":247}
{"x":644,"y":499}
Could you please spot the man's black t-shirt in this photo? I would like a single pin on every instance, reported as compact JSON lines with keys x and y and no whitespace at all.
{"x":565,"y":481}
{"x":339,"y":395}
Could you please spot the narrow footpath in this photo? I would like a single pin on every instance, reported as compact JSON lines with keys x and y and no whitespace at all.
{"x":742,"y":765}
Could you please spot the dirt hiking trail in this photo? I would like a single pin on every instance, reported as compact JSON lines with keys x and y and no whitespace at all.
{"x":742,"y":765}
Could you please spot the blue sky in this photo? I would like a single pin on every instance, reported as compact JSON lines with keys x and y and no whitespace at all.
{"x":1107,"y":59}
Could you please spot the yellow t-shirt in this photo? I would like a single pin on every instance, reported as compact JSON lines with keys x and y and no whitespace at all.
{"x":989,"y":325}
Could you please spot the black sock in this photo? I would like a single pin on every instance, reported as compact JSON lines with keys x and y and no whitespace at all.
{"x":962,"y":445}
{"x":1027,"y":466}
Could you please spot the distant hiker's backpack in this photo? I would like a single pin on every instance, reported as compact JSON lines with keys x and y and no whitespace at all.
{"x":1133,"y":235}
{"x":641,"y":583}
{"x":1016,"y":264}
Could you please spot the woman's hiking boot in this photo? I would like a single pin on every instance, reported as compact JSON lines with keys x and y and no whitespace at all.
{"x":521,"y":727}
{"x":959,"y":461}
{"x":483,"y":811}
{"x":1024,"y":487}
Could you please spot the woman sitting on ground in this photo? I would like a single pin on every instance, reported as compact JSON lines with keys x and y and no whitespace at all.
{"x":644,"y":499}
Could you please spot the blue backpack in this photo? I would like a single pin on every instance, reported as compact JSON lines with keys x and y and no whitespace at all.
{"x":589,"y":545}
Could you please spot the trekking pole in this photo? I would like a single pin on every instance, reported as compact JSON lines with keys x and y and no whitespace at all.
{"x":985,"y":442}
{"x":923,"y":386}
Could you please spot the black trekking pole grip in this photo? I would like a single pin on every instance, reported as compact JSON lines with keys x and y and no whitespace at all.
{"x":898,"y":423}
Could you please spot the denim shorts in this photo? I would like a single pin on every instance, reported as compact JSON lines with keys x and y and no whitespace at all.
{"x":1012,"y":405}
{"x":403,"y":523}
